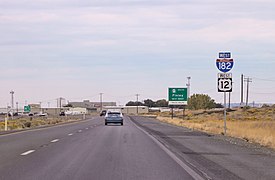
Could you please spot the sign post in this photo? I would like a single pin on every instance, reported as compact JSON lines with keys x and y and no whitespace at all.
{"x":6,"y":123}
{"x":224,"y":64}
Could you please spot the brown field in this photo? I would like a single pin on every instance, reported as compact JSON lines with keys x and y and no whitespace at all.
{"x":253,"y":125}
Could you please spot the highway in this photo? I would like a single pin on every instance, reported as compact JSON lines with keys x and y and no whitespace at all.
{"x":141,"y":149}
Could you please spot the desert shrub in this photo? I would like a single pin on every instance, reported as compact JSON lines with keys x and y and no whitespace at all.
{"x":27,"y":124}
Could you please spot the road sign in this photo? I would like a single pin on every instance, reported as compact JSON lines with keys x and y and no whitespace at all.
{"x":224,"y":82}
{"x":224,"y":65}
{"x":27,"y":108}
{"x":225,"y":55}
{"x":177,"y":96}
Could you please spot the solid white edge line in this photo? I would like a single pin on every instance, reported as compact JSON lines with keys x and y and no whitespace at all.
{"x":190,"y":171}
{"x":27,"y":152}
{"x":55,"y":140}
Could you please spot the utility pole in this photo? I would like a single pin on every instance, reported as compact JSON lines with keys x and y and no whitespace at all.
{"x":12,"y":103}
{"x":59,"y":103}
{"x":40,"y":103}
{"x":49,"y":104}
{"x":101,"y":103}
{"x":137,"y":102}
{"x":17,"y":107}
{"x":248,"y":80}
{"x":242,"y":79}
{"x":12,"y":99}
{"x":188,"y":86}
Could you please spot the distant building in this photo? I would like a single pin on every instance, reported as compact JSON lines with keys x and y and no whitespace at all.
{"x":53,"y":111}
{"x":90,"y":106}
{"x":3,"y":110}
{"x":35,"y":108}
{"x":129,"y":109}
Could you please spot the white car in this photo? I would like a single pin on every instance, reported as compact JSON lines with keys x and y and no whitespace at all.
{"x":114,"y":117}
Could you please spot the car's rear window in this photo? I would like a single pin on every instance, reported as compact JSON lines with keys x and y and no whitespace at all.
{"x":113,"y":113}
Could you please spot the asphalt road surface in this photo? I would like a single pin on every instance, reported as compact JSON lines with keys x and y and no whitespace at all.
{"x":141,"y":149}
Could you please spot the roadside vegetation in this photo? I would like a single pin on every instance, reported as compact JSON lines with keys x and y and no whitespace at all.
{"x":19,"y":123}
{"x":202,"y":113}
{"x":255,"y":125}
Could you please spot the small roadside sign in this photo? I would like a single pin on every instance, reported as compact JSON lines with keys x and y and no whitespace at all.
{"x":27,"y":108}
{"x":177,"y":96}
{"x":225,"y":82}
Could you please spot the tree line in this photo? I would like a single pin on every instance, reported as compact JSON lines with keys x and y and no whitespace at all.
{"x":195,"y":102}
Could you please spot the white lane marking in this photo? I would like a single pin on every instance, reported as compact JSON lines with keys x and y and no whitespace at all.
{"x":55,"y":140}
{"x":27,"y":152}
{"x":79,"y":131}
{"x":54,"y":126}
{"x":70,"y":134}
{"x":86,"y":128}
{"x":189,"y":170}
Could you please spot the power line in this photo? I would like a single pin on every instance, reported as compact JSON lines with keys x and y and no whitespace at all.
{"x":263,"y":79}
{"x":263,"y":92}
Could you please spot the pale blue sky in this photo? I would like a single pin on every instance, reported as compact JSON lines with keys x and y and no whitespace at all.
{"x":76,"y":49}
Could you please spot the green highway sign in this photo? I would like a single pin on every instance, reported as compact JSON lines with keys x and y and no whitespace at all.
{"x":177,"y":96}
{"x":27,"y":108}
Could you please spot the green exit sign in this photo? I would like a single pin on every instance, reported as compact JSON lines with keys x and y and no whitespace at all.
{"x":177,"y":96}
{"x":27,"y":108}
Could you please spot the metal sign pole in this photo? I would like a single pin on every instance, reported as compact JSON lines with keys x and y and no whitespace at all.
{"x":224,"y":113}
{"x":172,"y":112}
{"x":6,"y":122}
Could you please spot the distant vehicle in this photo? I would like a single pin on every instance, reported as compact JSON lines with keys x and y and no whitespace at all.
{"x":103,"y":113}
{"x":30,"y":114}
{"x":12,"y":114}
{"x":42,"y":114}
{"x":62,"y":114}
{"x":73,"y":113}
{"x":114,"y":117}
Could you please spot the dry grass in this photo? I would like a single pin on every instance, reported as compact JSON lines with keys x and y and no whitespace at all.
{"x":254,"y":125}
{"x":30,"y":122}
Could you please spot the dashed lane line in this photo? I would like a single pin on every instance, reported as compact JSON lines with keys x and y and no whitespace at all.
{"x":70,"y":134}
{"x":55,"y":140}
{"x":27,"y":153}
